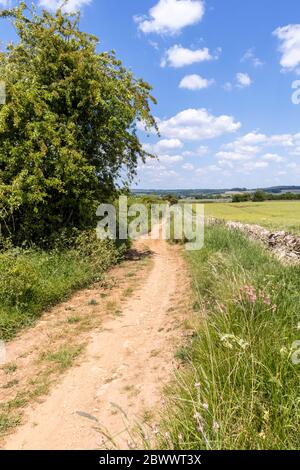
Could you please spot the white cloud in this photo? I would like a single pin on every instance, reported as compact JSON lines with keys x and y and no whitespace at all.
{"x":251,"y":166}
{"x":178,"y":56}
{"x":250,"y":57}
{"x":199,"y":152}
{"x":171,"y":16}
{"x":208,"y":169}
{"x":255,"y":150}
{"x":195,"y":82}
{"x":273,"y":157}
{"x":228,"y":86}
{"x":254,"y":142}
{"x":72,"y":5}
{"x":170,"y":159}
{"x":243,"y":80}
{"x":188,"y":167}
{"x":289,"y":37}
{"x":5,"y":3}
{"x":197,"y":124}
{"x":232,"y":156}
{"x":163,"y":146}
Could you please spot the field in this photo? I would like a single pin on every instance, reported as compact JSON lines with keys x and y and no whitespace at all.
{"x":240,"y":387}
{"x":278,"y":215}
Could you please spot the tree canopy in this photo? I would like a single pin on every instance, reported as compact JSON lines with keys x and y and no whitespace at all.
{"x":68,"y":128}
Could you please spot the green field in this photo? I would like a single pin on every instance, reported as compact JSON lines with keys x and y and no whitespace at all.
{"x":282,"y":215}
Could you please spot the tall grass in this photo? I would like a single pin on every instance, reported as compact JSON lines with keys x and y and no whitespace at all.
{"x":239,"y":389}
{"x":33,"y":279}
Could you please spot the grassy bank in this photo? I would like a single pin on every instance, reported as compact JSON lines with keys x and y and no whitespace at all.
{"x":240,"y":388}
{"x":33,"y":279}
{"x":277,"y":215}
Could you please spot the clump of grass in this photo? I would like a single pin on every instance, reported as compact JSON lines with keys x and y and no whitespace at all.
{"x":112,"y":307}
{"x":128,"y":292}
{"x":93,"y":302}
{"x":240,"y":388}
{"x":130,"y":274}
{"x":10,"y":368}
{"x":64,"y":357}
{"x":10,"y":384}
{"x":8,"y":421}
{"x":74,"y":319}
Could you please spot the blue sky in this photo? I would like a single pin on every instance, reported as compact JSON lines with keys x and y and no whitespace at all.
{"x":222,"y":72}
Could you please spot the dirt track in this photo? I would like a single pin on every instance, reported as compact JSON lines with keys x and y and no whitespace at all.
{"x":118,"y":381}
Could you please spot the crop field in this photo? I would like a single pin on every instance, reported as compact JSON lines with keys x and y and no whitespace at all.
{"x":279,"y":215}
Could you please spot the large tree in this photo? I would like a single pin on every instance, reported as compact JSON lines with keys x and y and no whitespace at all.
{"x":68,"y":127}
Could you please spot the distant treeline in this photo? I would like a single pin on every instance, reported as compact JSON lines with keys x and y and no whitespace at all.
{"x":260,"y":196}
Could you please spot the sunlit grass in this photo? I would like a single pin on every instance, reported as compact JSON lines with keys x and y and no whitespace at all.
{"x":281,"y":215}
{"x":239,"y":388}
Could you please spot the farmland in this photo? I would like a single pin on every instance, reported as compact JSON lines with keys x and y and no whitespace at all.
{"x":279,"y":215}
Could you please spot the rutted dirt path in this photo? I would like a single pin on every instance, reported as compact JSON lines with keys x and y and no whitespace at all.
{"x":117,"y":382}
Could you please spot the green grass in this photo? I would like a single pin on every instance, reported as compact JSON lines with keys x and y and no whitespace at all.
{"x":32,"y":279}
{"x":239,"y":388}
{"x":7,"y":422}
{"x":64,"y":357}
{"x":281,"y":215}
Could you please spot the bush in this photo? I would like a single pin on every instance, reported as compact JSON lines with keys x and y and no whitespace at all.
{"x":19,"y":282}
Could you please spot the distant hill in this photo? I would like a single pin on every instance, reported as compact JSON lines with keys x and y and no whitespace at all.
{"x":202,"y":192}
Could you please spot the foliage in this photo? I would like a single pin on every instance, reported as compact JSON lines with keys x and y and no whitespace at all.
{"x":68,"y":128}
{"x":241,"y":197}
{"x":240,"y":388}
{"x":32,"y":279}
{"x":259,"y":196}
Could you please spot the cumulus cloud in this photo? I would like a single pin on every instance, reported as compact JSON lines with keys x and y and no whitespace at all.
{"x":171,"y":16}
{"x":289,"y":37}
{"x":72,"y":5}
{"x":255,"y":141}
{"x":251,"y":166}
{"x":232,"y":156}
{"x":195,"y":82}
{"x":200,"y":151}
{"x":243,"y":80}
{"x":178,"y":56}
{"x":251,"y":58}
{"x":163,"y":146}
{"x":170,"y":159}
{"x":256,"y":150}
{"x":273,"y":157}
{"x":197,"y":124}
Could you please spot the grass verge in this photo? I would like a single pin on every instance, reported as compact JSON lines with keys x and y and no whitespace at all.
{"x":240,"y":388}
{"x":32,"y":279}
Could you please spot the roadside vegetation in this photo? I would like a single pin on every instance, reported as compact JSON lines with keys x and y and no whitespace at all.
{"x":240,"y":388}
{"x":33,"y":279}
{"x":67,"y":136}
{"x":275,"y":215}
